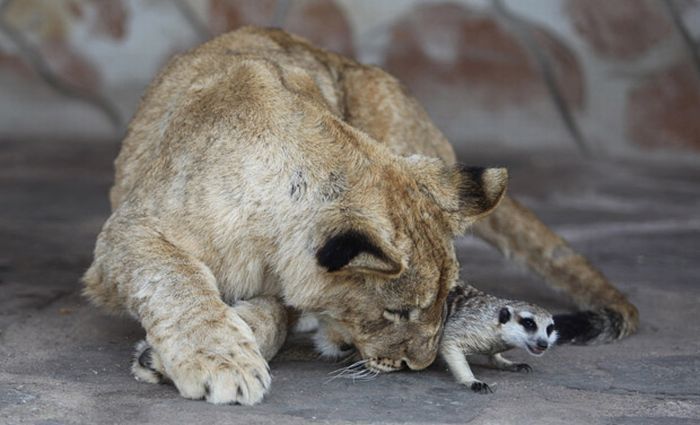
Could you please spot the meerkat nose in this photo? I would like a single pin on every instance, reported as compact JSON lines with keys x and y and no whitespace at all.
{"x":542,"y":344}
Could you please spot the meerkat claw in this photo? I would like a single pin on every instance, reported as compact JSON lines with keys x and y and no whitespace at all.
{"x":521,"y":367}
{"x":481,"y":387}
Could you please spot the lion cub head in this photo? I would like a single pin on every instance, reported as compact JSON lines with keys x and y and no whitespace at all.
{"x":387,"y":255}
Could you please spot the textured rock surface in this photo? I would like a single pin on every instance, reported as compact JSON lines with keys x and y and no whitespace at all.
{"x":663,"y":110}
{"x":516,"y":73}
{"x":476,"y":78}
{"x":226,"y":15}
{"x":64,"y":362}
{"x":323,"y":23}
{"x":622,"y":29}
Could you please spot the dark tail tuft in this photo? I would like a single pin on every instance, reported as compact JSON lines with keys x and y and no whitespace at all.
{"x":590,"y":327}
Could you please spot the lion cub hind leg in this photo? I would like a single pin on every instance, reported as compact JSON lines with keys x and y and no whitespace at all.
{"x":147,"y":366}
{"x":267,"y":318}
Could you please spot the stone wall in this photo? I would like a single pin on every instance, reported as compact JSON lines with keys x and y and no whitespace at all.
{"x":611,"y":77}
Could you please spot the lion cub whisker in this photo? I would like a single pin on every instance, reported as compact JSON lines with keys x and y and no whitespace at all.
{"x":353,"y":371}
{"x":359,"y":363}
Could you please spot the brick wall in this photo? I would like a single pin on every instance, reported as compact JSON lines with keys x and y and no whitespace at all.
{"x":608,"y":77}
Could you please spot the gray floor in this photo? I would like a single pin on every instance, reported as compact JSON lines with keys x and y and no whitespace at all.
{"x":62,"y":361}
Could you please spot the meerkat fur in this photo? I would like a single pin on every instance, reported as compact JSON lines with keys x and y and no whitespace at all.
{"x":478,"y":323}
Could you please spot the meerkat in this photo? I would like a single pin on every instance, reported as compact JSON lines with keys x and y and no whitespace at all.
{"x":478,"y":323}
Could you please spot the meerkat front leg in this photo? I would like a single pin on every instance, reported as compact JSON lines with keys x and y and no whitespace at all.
{"x":500,"y":362}
{"x":457,"y":362}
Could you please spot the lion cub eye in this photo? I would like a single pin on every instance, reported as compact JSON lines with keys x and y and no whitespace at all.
{"x":396,"y":315}
{"x":404,"y":314}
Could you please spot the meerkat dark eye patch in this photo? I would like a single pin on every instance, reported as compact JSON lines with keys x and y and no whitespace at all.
{"x":503,"y":315}
{"x":550,"y":329}
{"x":528,"y":324}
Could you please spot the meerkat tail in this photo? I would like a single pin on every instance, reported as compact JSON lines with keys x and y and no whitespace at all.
{"x":592,"y":326}
{"x":605,"y":314}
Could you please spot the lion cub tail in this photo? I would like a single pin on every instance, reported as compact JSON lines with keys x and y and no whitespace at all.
{"x":605,"y":313}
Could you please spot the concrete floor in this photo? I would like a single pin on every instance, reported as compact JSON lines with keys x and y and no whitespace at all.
{"x":63,"y":361}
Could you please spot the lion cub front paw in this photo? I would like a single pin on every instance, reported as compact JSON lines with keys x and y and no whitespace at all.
{"x":237,"y":374}
{"x":221,"y":363}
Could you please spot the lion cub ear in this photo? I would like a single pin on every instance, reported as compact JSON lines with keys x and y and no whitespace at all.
{"x":353,"y":251}
{"x":464,"y":193}
{"x":479,"y":189}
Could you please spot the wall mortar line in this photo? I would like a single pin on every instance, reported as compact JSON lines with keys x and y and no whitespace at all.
{"x":690,"y":44}
{"x":521,"y":28}
{"x":192,"y":19}
{"x":281,"y":12}
{"x":43,"y":70}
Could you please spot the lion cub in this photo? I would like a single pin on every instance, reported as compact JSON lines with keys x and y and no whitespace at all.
{"x":478,"y":323}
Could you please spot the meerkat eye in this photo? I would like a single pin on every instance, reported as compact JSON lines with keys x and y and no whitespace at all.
{"x":528,"y":324}
{"x":550,"y":329}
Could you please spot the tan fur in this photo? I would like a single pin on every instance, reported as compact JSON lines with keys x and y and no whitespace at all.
{"x":245,"y":158}
{"x":268,"y":320}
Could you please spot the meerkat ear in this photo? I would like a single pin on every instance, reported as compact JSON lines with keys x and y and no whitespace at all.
{"x":504,"y":315}
{"x":353,"y":251}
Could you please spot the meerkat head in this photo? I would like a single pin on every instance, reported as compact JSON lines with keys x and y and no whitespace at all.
{"x":527,"y":326}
